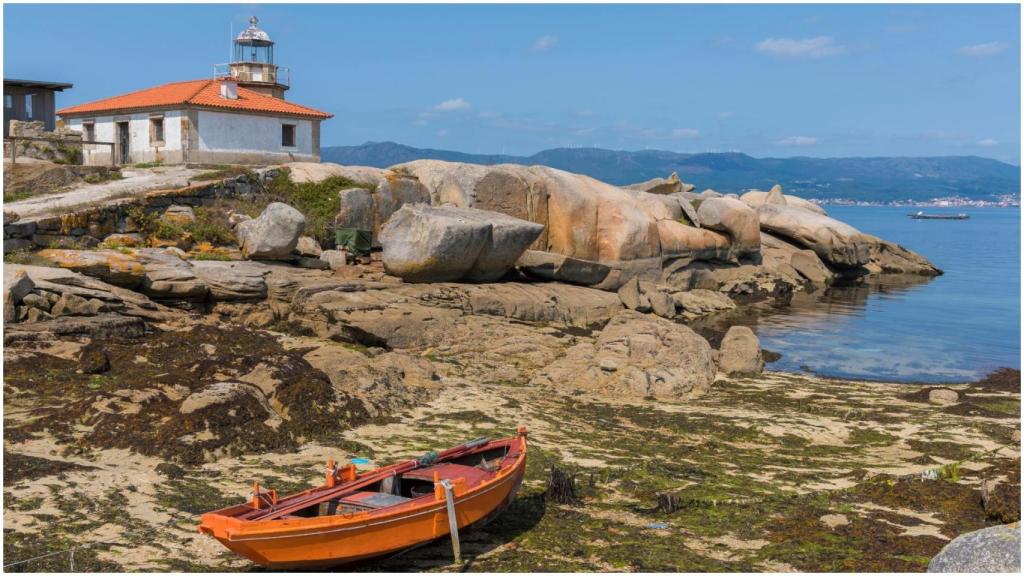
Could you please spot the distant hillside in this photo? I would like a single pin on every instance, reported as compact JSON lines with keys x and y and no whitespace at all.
{"x":869,"y":179}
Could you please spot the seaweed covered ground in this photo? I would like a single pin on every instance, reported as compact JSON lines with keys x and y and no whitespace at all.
{"x":776,"y":472}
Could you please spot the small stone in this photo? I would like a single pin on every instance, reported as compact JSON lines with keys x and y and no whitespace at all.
{"x":740,"y":352}
{"x":308,"y":247}
{"x":335,"y":258}
{"x":37,"y":315}
{"x":93,"y":360}
{"x":71,"y":305}
{"x":36,"y":301}
{"x":943,"y":396}
{"x":209,"y":349}
{"x":178,"y":215}
{"x":833,"y":521}
{"x":608,"y":365}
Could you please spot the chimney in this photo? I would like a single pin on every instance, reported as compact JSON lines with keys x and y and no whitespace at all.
{"x":229,"y":89}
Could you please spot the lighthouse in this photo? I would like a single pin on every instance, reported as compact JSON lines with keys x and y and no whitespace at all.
{"x":252,"y":62}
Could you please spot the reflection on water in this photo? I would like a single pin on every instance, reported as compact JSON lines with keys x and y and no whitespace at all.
{"x":956,"y":327}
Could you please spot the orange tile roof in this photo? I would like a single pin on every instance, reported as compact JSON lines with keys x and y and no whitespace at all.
{"x":201,"y":93}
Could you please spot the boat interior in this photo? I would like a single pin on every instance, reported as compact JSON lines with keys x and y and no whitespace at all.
{"x":400,"y":487}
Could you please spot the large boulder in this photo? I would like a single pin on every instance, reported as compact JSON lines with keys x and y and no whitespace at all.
{"x":584,"y":218}
{"x":835,"y":242}
{"x":995,"y":549}
{"x":510,"y":237}
{"x":734,"y":218}
{"x":740,"y":352}
{"x":444,"y":243}
{"x":273,"y":235}
{"x":757,"y":198}
{"x":637,"y":355}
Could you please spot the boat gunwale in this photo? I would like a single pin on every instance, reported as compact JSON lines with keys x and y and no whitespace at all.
{"x":235,"y":529}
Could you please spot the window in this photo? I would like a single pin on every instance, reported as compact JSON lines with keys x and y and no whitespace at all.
{"x":28,"y":106}
{"x":288,"y":135}
{"x":156,"y":131}
{"x":8,"y":101}
{"x":89,"y":131}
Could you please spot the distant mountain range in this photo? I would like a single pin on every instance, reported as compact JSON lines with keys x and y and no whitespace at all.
{"x":861,"y":179}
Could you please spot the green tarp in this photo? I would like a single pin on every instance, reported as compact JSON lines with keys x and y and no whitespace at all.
{"x":353,"y":240}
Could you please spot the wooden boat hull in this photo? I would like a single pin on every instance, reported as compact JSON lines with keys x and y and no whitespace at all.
{"x":344,"y":539}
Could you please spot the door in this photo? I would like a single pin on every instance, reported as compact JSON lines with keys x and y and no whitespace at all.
{"x":123,"y":143}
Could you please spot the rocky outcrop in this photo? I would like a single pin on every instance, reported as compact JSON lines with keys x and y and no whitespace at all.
{"x":692,"y":304}
{"x":111,"y":266}
{"x":583,"y":217}
{"x":835,"y":242}
{"x":891,"y":258}
{"x":439,"y":244}
{"x":561,"y":268}
{"x":740,"y":352}
{"x":637,"y":355}
{"x":734,"y":218}
{"x":168,"y":276}
{"x":670,"y":185}
{"x":757,"y":198}
{"x":995,"y":549}
{"x":273,"y":235}
{"x":231,"y":281}
{"x":793,"y":262}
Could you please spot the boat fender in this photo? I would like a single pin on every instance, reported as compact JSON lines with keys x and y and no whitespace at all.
{"x":428,"y":459}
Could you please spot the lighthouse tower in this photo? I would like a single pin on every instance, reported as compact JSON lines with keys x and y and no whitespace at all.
{"x":252,"y":62}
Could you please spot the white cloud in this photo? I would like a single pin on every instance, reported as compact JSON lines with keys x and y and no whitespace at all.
{"x":453,"y":104}
{"x":683,"y":133}
{"x":979,"y":50}
{"x":544,"y":43}
{"x":423,"y":118}
{"x":489,"y":114}
{"x":585,"y":113}
{"x":798,"y":141}
{"x":582,"y":131}
{"x":818,"y":47}
{"x":988,"y":142}
{"x":726,"y":114}
{"x":442,"y":132}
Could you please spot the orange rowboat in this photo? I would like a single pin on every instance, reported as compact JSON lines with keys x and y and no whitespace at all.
{"x":355,"y":517}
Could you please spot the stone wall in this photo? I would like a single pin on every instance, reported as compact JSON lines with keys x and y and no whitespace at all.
{"x":88,"y":227}
{"x":63,"y":146}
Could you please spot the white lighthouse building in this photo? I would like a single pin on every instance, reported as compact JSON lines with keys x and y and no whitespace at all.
{"x":239,"y":116}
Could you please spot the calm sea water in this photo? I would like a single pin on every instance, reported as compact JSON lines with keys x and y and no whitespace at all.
{"x":952,"y":328}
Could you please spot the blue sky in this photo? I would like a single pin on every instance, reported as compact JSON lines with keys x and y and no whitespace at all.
{"x":787,"y":80}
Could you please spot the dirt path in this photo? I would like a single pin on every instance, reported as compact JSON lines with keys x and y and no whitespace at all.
{"x":136,"y":181}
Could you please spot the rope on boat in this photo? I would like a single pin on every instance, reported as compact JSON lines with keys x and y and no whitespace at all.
{"x":70,"y":552}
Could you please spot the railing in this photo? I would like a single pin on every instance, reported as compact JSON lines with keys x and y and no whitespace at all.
{"x":283,"y":74}
{"x":14,"y":146}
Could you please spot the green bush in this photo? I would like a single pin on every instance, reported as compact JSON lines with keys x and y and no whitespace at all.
{"x":211,"y":226}
{"x":317,"y":201}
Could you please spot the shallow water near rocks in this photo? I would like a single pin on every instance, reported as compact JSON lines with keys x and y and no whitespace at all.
{"x":955,"y":327}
